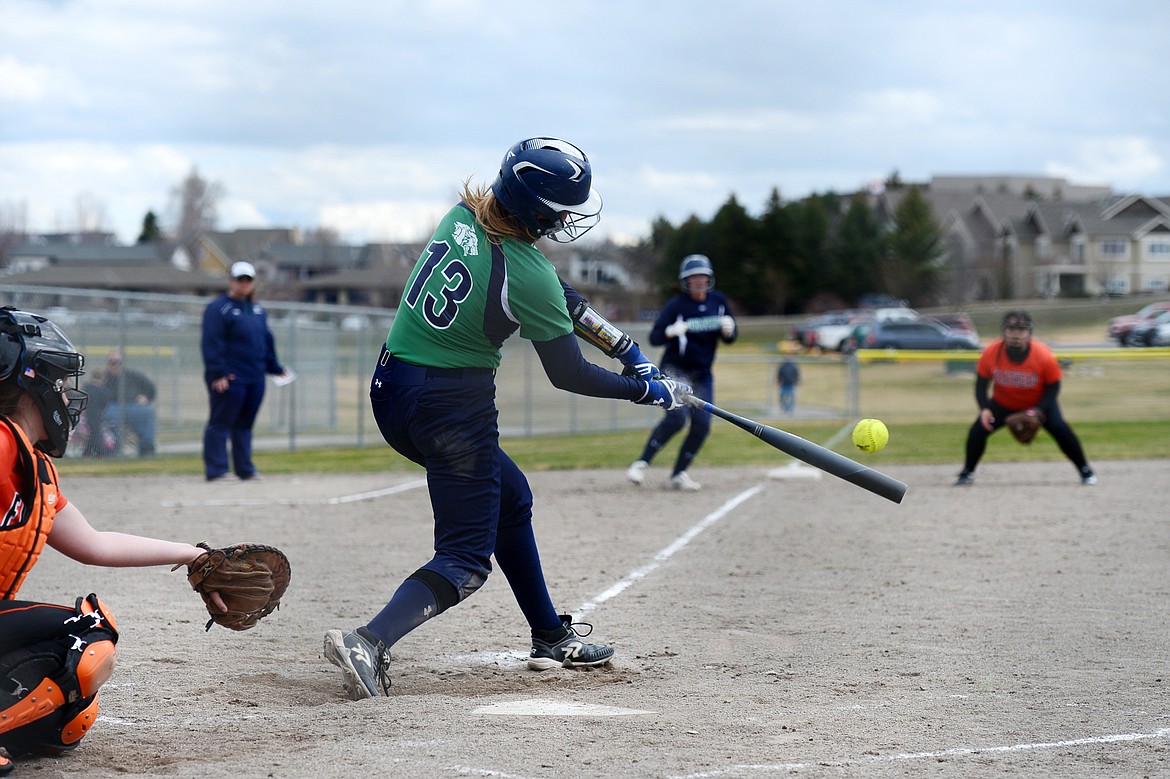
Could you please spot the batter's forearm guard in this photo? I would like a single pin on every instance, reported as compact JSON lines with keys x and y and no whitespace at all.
{"x":599,"y":331}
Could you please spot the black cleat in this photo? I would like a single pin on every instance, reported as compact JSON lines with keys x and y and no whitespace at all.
{"x":568,"y":651}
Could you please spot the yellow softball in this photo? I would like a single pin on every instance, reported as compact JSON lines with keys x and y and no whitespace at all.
{"x":871,"y":435}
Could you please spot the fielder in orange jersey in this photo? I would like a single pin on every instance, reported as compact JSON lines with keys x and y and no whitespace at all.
{"x":53,"y":658}
{"x":1024,"y":375}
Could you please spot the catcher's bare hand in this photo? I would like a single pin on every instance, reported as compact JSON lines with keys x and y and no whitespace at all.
{"x":217,"y":601}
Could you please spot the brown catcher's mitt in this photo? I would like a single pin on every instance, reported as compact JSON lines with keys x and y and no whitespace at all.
{"x":250,"y":579}
{"x":1025,"y":424}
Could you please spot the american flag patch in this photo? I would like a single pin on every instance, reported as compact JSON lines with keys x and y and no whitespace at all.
{"x":30,"y":373}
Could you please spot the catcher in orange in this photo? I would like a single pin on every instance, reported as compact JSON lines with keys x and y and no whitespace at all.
{"x":1026,"y":380}
{"x":53,"y":658}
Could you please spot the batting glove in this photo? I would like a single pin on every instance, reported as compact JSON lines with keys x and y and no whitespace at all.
{"x":667,"y":393}
{"x":727,"y":326}
{"x":677,"y":330}
{"x":637,"y":365}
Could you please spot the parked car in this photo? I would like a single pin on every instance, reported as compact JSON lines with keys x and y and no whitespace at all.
{"x":1120,"y":326}
{"x":959,"y":323}
{"x":835,"y":337}
{"x":825,"y":331}
{"x":895,"y":313}
{"x":1161,"y":336}
{"x":915,"y":334}
{"x":1148,"y":332}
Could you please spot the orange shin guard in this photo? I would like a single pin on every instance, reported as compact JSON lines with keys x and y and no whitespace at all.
{"x":76,"y":728}
{"x":41,"y":702}
{"x":95,"y":666}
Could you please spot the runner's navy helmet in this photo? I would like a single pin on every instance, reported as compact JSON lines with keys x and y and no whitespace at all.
{"x":696,"y":265}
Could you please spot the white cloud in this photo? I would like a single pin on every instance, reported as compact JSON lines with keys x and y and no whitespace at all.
{"x":385,"y":221}
{"x":1129,"y":163}
{"x":21,"y":83}
{"x":304,"y":115}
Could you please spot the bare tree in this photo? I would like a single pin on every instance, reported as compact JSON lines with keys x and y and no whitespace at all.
{"x":90,"y":213}
{"x":196,"y":201}
{"x":13,"y":228}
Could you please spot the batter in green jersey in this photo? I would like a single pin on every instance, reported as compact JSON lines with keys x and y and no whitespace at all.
{"x":480,"y":279}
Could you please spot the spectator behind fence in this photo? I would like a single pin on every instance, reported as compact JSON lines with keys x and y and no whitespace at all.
{"x":128,"y":395}
{"x":788,"y":376}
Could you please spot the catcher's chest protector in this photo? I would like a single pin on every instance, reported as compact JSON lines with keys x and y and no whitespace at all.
{"x":48,"y":700}
{"x":25,"y":518}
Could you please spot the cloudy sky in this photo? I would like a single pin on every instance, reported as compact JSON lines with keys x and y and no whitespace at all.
{"x":366,"y":115}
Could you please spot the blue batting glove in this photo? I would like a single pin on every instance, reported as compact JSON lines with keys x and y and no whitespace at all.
{"x":637,"y":365}
{"x":666,"y":393}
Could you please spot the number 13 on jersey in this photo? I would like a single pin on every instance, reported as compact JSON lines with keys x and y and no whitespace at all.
{"x":440,"y":306}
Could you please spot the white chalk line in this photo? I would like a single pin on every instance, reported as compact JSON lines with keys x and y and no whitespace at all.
{"x":668,"y":552}
{"x":953,"y":752}
{"x":334,"y":501}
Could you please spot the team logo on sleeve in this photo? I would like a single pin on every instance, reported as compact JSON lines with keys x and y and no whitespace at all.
{"x":11,"y":517}
{"x":464,"y":235}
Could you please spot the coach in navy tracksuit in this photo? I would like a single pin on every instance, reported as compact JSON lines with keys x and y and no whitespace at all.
{"x":238,"y":350}
{"x":691,"y":326}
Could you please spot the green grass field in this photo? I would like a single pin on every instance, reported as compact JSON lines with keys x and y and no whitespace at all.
{"x":727,"y":446}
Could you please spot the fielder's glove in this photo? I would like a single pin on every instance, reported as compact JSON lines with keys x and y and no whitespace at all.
{"x":667,"y":393}
{"x":249,"y":578}
{"x":1024,"y":425}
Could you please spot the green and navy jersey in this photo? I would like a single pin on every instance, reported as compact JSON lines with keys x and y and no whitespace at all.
{"x":466,"y":295}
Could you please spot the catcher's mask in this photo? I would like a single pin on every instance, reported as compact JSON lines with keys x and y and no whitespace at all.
{"x":40,"y":359}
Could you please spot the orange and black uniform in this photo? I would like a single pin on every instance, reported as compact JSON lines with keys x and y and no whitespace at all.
{"x":41,"y":644}
{"x":1032,"y":381}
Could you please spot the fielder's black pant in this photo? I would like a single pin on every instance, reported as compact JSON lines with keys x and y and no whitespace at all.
{"x":1060,"y":431}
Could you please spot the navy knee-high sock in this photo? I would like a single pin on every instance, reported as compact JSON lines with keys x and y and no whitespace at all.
{"x":413,"y":603}
{"x":519,"y":561}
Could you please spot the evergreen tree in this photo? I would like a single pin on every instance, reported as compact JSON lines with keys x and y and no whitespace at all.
{"x":859,"y":249}
{"x":735,"y":254}
{"x":151,"y":232}
{"x":911,"y":269}
{"x":691,"y":237}
{"x":811,"y":248}
{"x":777,"y":240}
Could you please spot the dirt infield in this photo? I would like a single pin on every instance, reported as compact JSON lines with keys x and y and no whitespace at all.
{"x":763,"y":627}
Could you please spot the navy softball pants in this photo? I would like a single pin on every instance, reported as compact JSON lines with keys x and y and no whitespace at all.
{"x":446,"y":420}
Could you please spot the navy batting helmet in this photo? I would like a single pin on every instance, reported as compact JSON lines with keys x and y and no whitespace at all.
{"x":36,"y":355}
{"x":546,"y":183}
{"x":696,"y":265}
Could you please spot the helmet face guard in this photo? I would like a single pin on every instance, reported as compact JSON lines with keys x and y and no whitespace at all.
{"x":546,"y":183}
{"x":42,"y":361}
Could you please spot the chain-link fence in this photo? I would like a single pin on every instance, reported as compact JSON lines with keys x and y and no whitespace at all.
{"x":331,"y":348}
